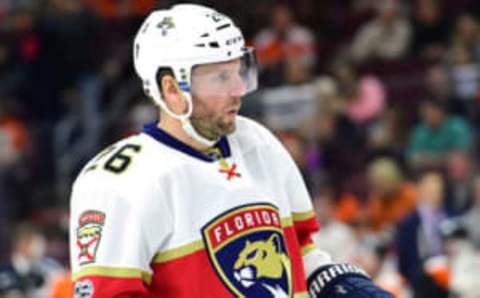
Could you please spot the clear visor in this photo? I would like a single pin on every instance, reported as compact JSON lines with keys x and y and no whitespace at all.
{"x":237,"y":77}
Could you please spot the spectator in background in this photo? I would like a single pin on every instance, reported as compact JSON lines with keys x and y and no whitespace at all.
{"x":336,"y":148}
{"x":430,"y":30}
{"x":438,"y":87}
{"x":335,"y":237}
{"x":286,"y":107}
{"x":283,"y":41}
{"x":293,"y":142}
{"x":68,"y":56}
{"x":386,"y":37}
{"x":72,"y":46}
{"x":437,"y":135}
{"x":386,"y":135}
{"x":354,"y":243}
{"x":70,"y":29}
{"x":28,"y":271}
{"x":463,"y":260}
{"x":467,"y":34}
{"x":391,"y":197}
{"x":14,"y":142}
{"x":465,"y":76}
{"x":72,"y":143}
{"x":464,"y":64}
{"x":327,"y":105}
{"x":418,"y":236}
{"x":471,"y":218}
{"x":15,"y":137}
{"x":465,"y":269}
{"x":364,"y":97}
{"x":459,"y":177}
{"x":342,"y":150}
{"x":286,"y":57}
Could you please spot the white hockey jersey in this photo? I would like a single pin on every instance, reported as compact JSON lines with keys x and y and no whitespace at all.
{"x":152,"y":216}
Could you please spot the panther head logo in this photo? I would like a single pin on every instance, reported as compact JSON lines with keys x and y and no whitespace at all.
{"x":263,"y":262}
{"x":248,"y":251}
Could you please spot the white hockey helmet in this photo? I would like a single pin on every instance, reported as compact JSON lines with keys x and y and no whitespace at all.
{"x":181,"y":38}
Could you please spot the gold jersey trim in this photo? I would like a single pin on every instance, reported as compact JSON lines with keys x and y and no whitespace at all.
{"x":113,"y":272}
{"x":299,"y":216}
{"x":287,"y":222}
{"x":178,"y":252}
{"x":308,"y":248}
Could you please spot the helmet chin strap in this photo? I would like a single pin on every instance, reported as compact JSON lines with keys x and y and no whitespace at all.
{"x":190,"y":130}
{"x":185,"y":120}
{"x":188,"y":127}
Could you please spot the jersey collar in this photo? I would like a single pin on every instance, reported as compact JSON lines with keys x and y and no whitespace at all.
{"x":163,"y":137}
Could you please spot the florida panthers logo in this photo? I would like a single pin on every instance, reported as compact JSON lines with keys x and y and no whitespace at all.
{"x":247,"y":249}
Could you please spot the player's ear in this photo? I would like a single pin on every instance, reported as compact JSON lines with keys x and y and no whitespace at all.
{"x":169,"y":87}
{"x":172,"y":94}
{"x":276,"y":242}
{"x":170,"y":91}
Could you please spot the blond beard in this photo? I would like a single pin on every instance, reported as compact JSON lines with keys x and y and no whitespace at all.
{"x":211,"y":129}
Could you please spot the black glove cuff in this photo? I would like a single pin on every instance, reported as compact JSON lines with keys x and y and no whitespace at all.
{"x":321,"y":279}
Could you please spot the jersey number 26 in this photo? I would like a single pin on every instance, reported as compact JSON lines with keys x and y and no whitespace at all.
{"x":118,"y":162}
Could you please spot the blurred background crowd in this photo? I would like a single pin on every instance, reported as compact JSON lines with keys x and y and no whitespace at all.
{"x":377,"y":101}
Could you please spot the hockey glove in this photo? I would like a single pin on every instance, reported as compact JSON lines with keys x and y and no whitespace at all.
{"x":343,"y":281}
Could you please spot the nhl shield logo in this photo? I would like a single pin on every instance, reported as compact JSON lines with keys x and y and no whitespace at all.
{"x":89,"y":233}
{"x":247,"y":249}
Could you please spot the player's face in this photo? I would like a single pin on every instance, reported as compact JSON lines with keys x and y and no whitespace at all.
{"x":216,"y":93}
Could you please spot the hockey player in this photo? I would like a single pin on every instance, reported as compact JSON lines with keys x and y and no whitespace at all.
{"x":202,"y":203}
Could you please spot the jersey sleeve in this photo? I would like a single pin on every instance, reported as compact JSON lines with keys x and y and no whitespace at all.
{"x":303,"y":216}
{"x":302,"y":213}
{"x":115,"y":232}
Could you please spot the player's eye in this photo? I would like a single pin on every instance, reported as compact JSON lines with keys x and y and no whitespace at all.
{"x":223,"y":76}
{"x":252,"y":255}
